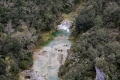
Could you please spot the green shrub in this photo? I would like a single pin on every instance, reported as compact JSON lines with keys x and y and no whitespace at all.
{"x":19,"y":28}
{"x":85,"y":19}
{"x":23,"y":64}
{"x":118,"y":37}
{"x":98,"y":21}
{"x":2,"y":77}
{"x":111,"y":13}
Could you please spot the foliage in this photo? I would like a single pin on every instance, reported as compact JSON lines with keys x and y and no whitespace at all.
{"x":21,"y":22}
{"x":112,"y":14}
{"x":96,"y":44}
{"x":12,"y":56}
{"x":118,"y":37}
{"x":85,"y":19}
{"x":93,"y":48}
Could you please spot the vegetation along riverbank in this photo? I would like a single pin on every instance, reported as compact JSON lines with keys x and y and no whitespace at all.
{"x":22,"y":22}
{"x":29,"y":24}
{"x":95,"y":55}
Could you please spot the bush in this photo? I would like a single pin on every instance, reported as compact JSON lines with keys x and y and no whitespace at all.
{"x":93,"y":48}
{"x":1,"y":27}
{"x":2,"y":67}
{"x":19,"y":28}
{"x":118,"y":37}
{"x":98,"y":21}
{"x":98,"y":5}
{"x":23,"y":64}
{"x":2,"y":77}
{"x":111,"y":13}
{"x":85,"y":19}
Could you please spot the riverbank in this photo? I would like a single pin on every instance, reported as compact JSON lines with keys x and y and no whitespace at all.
{"x":49,"y":57}
{"x":47,"y":37}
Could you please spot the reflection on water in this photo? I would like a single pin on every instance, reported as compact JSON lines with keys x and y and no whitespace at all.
{"x":49,"y":59}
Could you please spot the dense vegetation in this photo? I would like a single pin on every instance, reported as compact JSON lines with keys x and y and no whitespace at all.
{"x":21,"y":24}
{"x":97,"y":42}
{"x":97,"y":36}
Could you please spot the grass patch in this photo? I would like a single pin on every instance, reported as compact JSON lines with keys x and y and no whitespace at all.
{"x":47,"y":37}
{"x":68,"y":16}
{"x":46,"y":42}
{"x":71,"y":39}
{"x":71,"y":16}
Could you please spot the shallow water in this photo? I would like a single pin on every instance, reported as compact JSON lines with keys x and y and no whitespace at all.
{"x":48,"y":60}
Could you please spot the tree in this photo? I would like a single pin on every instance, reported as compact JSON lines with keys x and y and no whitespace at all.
{"x":85,"y":19}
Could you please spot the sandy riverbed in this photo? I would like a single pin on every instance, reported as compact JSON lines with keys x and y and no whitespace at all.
{"x":48,"y":60}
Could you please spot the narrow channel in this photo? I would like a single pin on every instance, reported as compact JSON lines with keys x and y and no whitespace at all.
{"x":48,"y":60}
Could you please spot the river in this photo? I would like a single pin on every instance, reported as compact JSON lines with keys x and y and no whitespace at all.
{"x":48,"y":59}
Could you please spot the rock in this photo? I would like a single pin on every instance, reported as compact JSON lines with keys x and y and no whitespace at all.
{"x":100,"y":75}
{"x":65,"y":45}
{"x":60,"y":50}
{"x":32,"y":75}
{"x":60,"y":57}
{"x":27,"y":77}
{"x":55,"y":48}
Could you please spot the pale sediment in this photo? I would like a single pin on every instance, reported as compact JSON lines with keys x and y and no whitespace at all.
{"x":48,"y":60}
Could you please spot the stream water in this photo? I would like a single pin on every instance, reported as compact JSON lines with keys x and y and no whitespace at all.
{"x":48,"y":60}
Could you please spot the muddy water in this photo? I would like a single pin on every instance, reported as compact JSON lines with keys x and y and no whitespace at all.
{"x":48,"y":60}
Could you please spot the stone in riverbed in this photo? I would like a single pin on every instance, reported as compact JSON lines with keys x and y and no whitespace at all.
{"x":32,"y":75}
{"x":60,"y":57}
{"x":60,"y":50}
{"x":27,"y":77}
